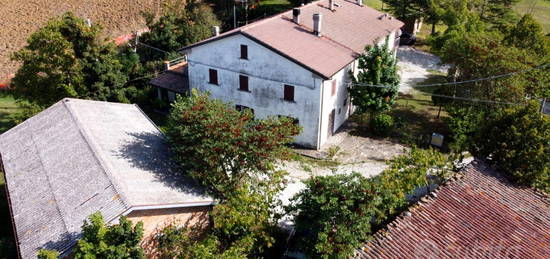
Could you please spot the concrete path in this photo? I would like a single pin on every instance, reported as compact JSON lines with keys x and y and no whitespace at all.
{"x":415,"y":66}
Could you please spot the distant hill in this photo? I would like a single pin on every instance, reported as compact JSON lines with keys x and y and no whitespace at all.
{"x":19,"y":18}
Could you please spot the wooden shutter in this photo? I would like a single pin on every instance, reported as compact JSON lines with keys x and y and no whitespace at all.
{"x":333,"y":87}
{"x":289,"y":93}
{"x":213,"y":74}
{"x":243,"y":83}
{"x":244,"y":52}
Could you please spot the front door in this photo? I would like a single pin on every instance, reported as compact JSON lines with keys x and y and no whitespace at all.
{"x":331,"y":123}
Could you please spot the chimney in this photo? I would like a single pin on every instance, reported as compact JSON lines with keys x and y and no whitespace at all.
{"x":360,"y":2}
{"x":296,"y":15}
{"x":215,"y":31}
{"x":331,"y":5}
{"x":317,"y":23}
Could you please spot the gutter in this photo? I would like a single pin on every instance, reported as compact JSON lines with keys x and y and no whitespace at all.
{"x":170,"y":206}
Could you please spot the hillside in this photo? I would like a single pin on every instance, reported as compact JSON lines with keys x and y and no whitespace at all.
{"x":540,"y":9}
{"x":21,"y":18}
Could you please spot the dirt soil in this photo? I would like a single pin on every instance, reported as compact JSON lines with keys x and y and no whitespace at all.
{"x":19,"y":18}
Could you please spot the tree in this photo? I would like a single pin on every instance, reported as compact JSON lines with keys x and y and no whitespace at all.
{"x":522,"y":148}
{"x":408,"y":10}
{"x":225,"y":149}
{"x":66,"y":58}
{"x":376,"y":67}
{"x":182,"y":23}
{"x":498,"y":13}
{"x":118,"y":241}
{"x":47,"y":254}
{"x":335,"y":214}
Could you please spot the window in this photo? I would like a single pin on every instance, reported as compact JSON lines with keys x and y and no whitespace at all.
{"x":213,"y":75}
{"x":244,"y":52}
{"x":333,"y":87}
{"x":345,"y":102}
{"x":243,"y":83}
{"x":289,"y":93}
{"x":242,"y":108}
{"x":294,"y":120}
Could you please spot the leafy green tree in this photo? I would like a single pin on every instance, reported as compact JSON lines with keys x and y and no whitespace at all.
{"x":335,"y":214}
{"x":521,"y":148}
{"x":225,"y":149}
{"x":377,"y":66}
{"x":47,"y":254}
{"x":115,"y":241}
{"x":182,"y":23}
{"x":528,"y":34}
{"x":66,"y":58}
{"x":407,"y":10}
{"x":499,"y":13}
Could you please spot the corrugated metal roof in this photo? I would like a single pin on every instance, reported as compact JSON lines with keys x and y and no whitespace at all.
{"x":344,"y":34}
{"x":78,"y":157}
{"x":481,"y":215}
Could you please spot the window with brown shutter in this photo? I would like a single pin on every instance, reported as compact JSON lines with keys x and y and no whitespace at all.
{"x":244,"y":52}
{"x":213,"y":76}
{"x":333,"y":87}
{"x":289,"y":93}
{"x":243,"y":83}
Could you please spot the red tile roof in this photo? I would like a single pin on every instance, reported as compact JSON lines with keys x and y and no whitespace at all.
{"x":175,"y":79}
{"x":344,"y":34}
{"x":481,"y":215}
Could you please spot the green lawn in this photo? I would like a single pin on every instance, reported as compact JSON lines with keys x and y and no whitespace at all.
{"x":540,"y":9}
{"x":8,"y":106}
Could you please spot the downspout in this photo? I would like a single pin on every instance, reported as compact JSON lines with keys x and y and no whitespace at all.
{"x":10,"y":209}
{"x":320,"y":131}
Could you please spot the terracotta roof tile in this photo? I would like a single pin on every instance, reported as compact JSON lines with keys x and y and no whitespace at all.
{"x":479,"y":215}
{"x":344,"y":34}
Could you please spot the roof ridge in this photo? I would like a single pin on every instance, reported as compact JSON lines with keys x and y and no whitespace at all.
{"x":91,"y":144}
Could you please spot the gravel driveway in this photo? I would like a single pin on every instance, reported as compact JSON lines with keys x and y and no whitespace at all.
{"x":415,"y":66}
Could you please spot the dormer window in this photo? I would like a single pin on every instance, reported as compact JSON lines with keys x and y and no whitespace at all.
{"x":244,"y":52}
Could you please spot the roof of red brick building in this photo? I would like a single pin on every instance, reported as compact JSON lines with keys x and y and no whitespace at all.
{"x":479,"y":214}
{"x":345,"y":31}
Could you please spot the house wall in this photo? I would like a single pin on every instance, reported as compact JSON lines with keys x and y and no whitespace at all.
{"x":268,"y":72}
{"x":336,"y":102}
{"x":156,"y":219}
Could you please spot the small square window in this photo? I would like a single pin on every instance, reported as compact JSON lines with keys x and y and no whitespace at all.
{"x":213,"y":76}
{"x":243,"y":83}
{"x":289,"y":93}
{"x":345,"y":102}
{"x":244,"y":52}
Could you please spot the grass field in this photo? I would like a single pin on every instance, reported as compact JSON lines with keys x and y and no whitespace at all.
{"x":8,"y":106}
{"x":540,"y":9}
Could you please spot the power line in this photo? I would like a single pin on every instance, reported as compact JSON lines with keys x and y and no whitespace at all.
{"x":460,"y":82}
{"x":473,"y":99}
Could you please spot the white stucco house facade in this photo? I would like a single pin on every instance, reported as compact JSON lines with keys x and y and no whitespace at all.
{"x":294,"y":64}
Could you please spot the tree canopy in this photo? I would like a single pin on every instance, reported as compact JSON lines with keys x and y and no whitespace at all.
{"x":224,"y":148}
{"x":377,"y":66}
{"x":67,"y":58}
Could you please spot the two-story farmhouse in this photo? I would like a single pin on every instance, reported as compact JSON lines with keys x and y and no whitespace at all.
{"x":293,"y":64}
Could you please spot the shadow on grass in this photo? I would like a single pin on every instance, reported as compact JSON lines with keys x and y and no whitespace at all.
{"x":7,"y":243}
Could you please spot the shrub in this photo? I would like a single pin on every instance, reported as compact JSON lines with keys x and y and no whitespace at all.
{"x":47,"y":254}
{"x":382,"y":124}
{"x":115,"y":241}
{"x":335,"y":214}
